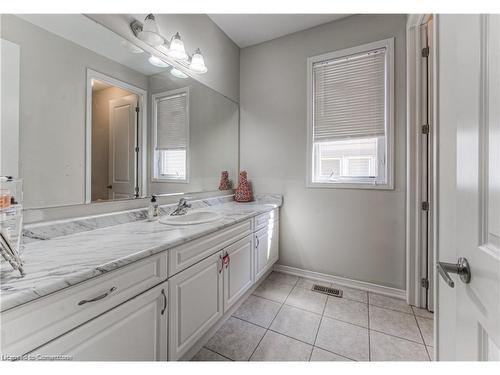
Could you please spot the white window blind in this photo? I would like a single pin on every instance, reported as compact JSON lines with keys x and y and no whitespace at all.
{"x":171,"y":122}
{"x":349,"y":97}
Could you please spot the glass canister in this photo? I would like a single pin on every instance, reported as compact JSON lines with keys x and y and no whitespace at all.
{"x":11,"y":211}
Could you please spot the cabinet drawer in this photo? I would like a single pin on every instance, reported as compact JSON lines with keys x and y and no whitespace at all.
{"x":266,"y":218}
{"x":31,"y":325}
{"x":134,"y":331}
{"x":181,"y":257}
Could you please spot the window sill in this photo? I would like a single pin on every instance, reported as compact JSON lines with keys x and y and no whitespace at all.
{"x":170,"y":181}
{"x":348,"y":185}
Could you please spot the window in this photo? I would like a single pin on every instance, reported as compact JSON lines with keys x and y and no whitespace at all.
{"x":350,"y":95}
{"x":171,"y":135}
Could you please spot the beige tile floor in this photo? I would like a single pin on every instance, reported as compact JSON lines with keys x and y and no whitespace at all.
{"x":283,"y":320}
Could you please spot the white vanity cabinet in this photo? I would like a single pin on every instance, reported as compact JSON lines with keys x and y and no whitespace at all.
{"x":134,"y":331}
{"x":196,"y":303}
{"x":34,"y":324}
{"x":266,"y":243}
{"x":238,"y":271}
{"x":157,"y":308}
{"x":202,"y":293}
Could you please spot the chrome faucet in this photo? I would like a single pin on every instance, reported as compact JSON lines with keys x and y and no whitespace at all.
{"x":182,"y":207}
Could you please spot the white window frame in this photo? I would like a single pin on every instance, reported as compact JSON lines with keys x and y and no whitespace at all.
{"x":155,"y":176}
{"x":388,"y":162}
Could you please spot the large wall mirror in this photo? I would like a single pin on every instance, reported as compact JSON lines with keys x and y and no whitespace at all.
{"x":99,"y":119}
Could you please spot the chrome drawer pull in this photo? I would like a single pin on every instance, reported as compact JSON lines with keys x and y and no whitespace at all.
{"x":258,"y":242}
{"x":104,"y":295}
{"x":164,"y":301}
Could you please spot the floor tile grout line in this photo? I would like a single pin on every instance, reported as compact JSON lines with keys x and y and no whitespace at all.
{"x":319,"y":326}
{"x":375,"y":330}
{"x":369,"y":329}
{"x":421,"y":335}
{"x":340,"y":355}
{"x":270,"y":324}
{"x":222,"y":355}
{"x":398,"y":337}
{"x":274,"y":331}
{"x":345,"y":321}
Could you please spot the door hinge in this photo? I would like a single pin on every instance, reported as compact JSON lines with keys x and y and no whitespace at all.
{"x":137,"y":109}
{"x":425,"y":206}
{"x":425,"y":129}
{"x":137,"y":149}
{"x":425,"y":52}
{"x":424,"y":283}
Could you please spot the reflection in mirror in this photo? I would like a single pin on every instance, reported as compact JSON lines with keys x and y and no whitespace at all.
{"x":114,"y":133}
{"x":100,"y":119}
{"x":194,"y":135}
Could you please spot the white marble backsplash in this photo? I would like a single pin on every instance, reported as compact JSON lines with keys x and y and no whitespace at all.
{"x":48,"y":230}
{"x":70,"y":256}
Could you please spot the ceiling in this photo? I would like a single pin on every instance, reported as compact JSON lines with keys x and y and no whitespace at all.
{"x":249,"y":29}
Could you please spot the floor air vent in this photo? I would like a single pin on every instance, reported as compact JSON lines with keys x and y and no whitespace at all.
{"x":327,"y":290}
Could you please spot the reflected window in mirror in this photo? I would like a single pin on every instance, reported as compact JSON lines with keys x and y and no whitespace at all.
{"x":171,"y":135}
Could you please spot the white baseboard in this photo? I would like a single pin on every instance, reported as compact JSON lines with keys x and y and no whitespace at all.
{"x":350,"y":283}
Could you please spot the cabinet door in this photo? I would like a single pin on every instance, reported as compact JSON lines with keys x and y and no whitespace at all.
{"x":266,"y":248}
{"x":238,"y":273}
{"x":195,"y":303}
{"x":133,"y":331}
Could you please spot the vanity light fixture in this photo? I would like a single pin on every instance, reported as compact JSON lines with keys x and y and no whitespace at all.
{"x":176,"y":49}
{"x":149,"y":32}
{"x":197,"y":63}
{"x":131,"y":47}
{"x":178,"y":73}
{"x":156,"y":61}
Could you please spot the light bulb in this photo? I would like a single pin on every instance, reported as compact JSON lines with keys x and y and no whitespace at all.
{"x":178,"y":73}
{"x":149,"y":33}
{"x":157,"y":62}
{"x":176,"y":49}
{"x":198,"y":62}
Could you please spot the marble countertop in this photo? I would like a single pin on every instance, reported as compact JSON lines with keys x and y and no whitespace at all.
{"x":60,"y":262}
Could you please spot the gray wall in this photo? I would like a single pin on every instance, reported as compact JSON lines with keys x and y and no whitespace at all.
{"x":52,"y":111}
{"x":358,"y":234}
{"x":222,"y":55}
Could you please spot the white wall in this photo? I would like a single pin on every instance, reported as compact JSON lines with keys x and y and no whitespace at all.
{"x":358,"y":234}
{"x":222,"y":55}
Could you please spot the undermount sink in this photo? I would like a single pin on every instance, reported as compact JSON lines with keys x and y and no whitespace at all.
{"x":192,"y":218}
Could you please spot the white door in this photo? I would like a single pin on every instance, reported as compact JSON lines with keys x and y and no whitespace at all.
{"x":122,"y":144}
{"x":195,"y":303}
{"x":266,"y":248}
{"x":238,"y":270}
{"x":133,"y":331}
{"x":469,"y":185}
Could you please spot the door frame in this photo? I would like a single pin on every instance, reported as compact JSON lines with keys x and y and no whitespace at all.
{"x":142,"y":130}
{"x":415,"y":267}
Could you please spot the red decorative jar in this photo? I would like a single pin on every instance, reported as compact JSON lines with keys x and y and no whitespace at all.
{"x":243,"y":193}
{"x":225,"y":184}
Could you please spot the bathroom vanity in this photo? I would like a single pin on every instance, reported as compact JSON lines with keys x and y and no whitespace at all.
{"x":153,"y":293}
{"x":102,"y":282}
